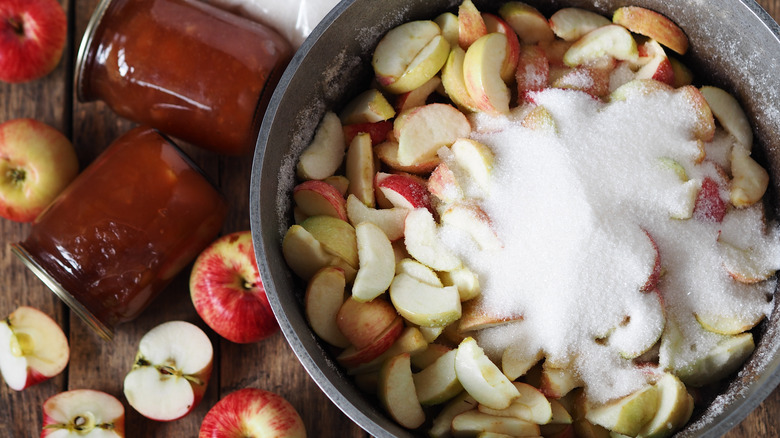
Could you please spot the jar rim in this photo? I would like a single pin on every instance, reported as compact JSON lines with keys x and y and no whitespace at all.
{"x":84,"y":48}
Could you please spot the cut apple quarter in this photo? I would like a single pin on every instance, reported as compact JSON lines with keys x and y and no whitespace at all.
{"x":437,"y":382}
{"x":305,"y":255}
{"x":675,"y":407}
{"x":316,"y":198}
{"x":476,"y":159}
{"x":611,"y":40}
{"x":482,"y":67}
{"x":423,"y":243}
{"x":83,"y":413}
{"x":397,"y":392}
{"x":377,"y":262}
{"x":171,"y":371}
{"x":324,"y":297}
{"x":423,"y":304}
{"x":323,"y":156}
{"x":33,"y":348}
{"x":481,"y":378}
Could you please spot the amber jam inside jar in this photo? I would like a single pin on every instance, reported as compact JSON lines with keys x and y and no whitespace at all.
{"x":123,"y":229}
{"x":184,"y":67}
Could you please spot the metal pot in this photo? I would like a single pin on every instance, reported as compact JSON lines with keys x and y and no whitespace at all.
{"x":734,"y":44}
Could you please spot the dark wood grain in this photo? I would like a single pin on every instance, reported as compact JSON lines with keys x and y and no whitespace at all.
{"x":98,"y":364}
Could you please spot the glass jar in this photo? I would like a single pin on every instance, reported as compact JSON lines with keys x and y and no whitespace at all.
{"x":187,"y":68}
{"x":123,"y":229}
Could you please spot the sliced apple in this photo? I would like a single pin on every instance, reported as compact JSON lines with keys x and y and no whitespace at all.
{"x":482,"y":68}
{"x":410,"y":340}
{"x":455,"y":83}
{"x":590,"y":78}
{"x":750,"y":180}
{"x":359,"y":169}
{"x":675,"y":407}
{"x":367,"y":107}
{"x":626,"y":415}
{"x":323,"y":156}
{"x":443,"y":184}
{"x":682,"y":74}
{"x":387,"y":152}
{"x":540,"y":119}
{"x":471,"y":26}
{"x":471,"y":423}
{"x":418,"y":96}
{"x":704,"y":127}
{"x":396,"y":392}
{"x":427,"y":357}
{"x":657,"y":65}
{"x":517,"y":359}
{"x":403,"y":191}
{"x":361,"y":322}
{"x":450,"y":27}
{"x":475,"y":159}
{"x":557,"y":382}
{"x":472,"y":220}
{"x":336,"y":236}
{"x":389,"y":220}
{"x":354,"y":357}
{"x":475,"y":316}
{"x":729,"y":114}
{"x":409,"y":56}
{"x":431,"y":333}
{"x":531,"y":406}
{"x":325,"y":295}
{"x":570,"y":24}
{"x":423,"y":243}
{"x":747,"y":265}
{"x":481,"y":378}
{"x":611,"y":40}
{"x":641,"y":329}
{"x":437,"y":382}
{"x":653,"y":25}
{"x":427,"y":128}
{"x":466,"y":280}
{"x":497,"y":24}
{"x":305,"y":255}
{"x":533,"y":70}
{"x":377,"y":262}
{"x":442,"y":423}
{"x":418,"y":271}
{"x":423,"y":304}
{"x":638,"y":88}
{"x":725,"y":358}
{"x":320,"y":198}
{"x":530,"y":25}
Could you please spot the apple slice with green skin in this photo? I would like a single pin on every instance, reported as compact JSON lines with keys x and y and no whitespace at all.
{"x":359,"y":169}
{"x":305,"y":255}
{"x":424,"y":130}
{"x":474,"y":422}
{"x":729,"y":114}
{"x":482,"y":67}
{"x":353,"y":357}
{"x":252,"y":412}
{"x":450,"y":27}
{"x":423,"y":304}
{"x":471,"y":26}
{"x":475,"y":159}
{"x":471,"y":219}
{"x":530,"y":25}
{"x":495,"y":23}
{"x":397,"y":393}
{"x":466,"y":280}
{"x":570,"y":24}
{"x":418,"y":271}
{"x":533,"y":70}
{"x":531,"y":406}
{"x":367,"y":107}
{"x":626,"y":415}
{"x":33,"y":348}
{"x":316,"y":198}
{"x":228,"y":293}
{"x":611,"y":40}
{"x":750,"y":180}
{"x":377,"y":262}
{"x":387,"y":152}
{"x":437,"y":382}
{"x":423,"y":243}
{"x":675,"y":407}
{"x":170,"y":372}
{"x":418,"y":96}
{"x":481,"y":378}
{"x":325,"y":295}
{"x":389,"y":220}
{"x":37,"y":162}
{"x":441,"y":426}
{"x":336,"y":236}
{"x":454,"y":82}
{"x":83,"y":413}
{"x":409,"y":55}
{"x":324,"y":155}
{"x":652,"y":25}
{"x":362,"y":322}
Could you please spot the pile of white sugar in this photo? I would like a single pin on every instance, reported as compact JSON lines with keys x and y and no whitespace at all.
{"x":583,"y":212}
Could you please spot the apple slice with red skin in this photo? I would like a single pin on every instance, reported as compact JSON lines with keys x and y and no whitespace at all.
{"x":654,"y":63}
{"x":228,"y":293}
{"x":33,"y":34}
{"x":443,"y":184}
{"x":37,"y":163}
{"x":174,"y":358}
{"x":653,"y":25}
{"x":387,"y":153}
{"x":323,"y":156}
{"x":33,"y":348}
{"x":353,"y":357}
{"x":454,"y":83}
{"x":377,"y":130}
{"x":316,"y":198}
{"x":471,"y":25}
{"x":325,"y":295}
{"x":495,"y":23}
{"x":252,"y":412}
{"x":530,"y":25}
{"x":362,"y":322}
{"x":704,"y":127}
{"x":404,"y":192}
{"x":709,"y":206}
{"x":83,"y":413}
{"x":533,"y":70}
{"x":410,"y":341}
{"x":418,"y":96}
{"x":482,"y":69}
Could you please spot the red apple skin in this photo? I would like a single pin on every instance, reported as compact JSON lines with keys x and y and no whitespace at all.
{"x":32,"y":37}
{"x":414,"y":192}
{"x":377,"y":130}
{"x":252,"y":412}
{"x":709,"y":207}
{"x":324,"y":192}
{"x":228,"y":293}
{"x":37,"y":162}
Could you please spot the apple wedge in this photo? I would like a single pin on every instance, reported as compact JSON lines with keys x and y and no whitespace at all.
{"x":476,"y":160}
{"x":377,"y":262}
{"x":409,"y":55}
{"x":474,"y":422}
{"x":570,"y":24}
{"x":652,"y":25}
{"x":387,"y":152}
{"x":533,"y":70}
{"x":734,"y":324}
{"x":656,"y":64}
{"x":472,"y":220}
{"x":423,"y":243}
{"x":517,"y":359}
{"x":418,"y":271}
{"x":83,"y":413}
{"x":323,"y":156}
{"x":611,"y":40}
{"x":410,"y":340}
{"x":450,"y":27}
{"x":359,"y":169}
{"x":466,"y":280}
{"x":325,"y":295}
{"x":403,"y":191}
{"x":397,"y":393}
{"x":442,"y":423}
{"x":418,"y":96}
{"x":626,"y":415}
{"x":305,"y":255}
{"x":355,"y":357}
{"x":377,"y":130}
{"x":476,"y":317}
{"x":431,"y":354}
{"x":531,"y":406}
{"x":425,"y":129}
{"x":482,"y":67}
{"x":362,"y":322}
{"x":725,"y":358}
{"x":704,"y":126}
{"x":530,"y":25}
{"x":423,"y":304}
{"x":539,"y":119}
{"x":316,"y":198}
{"x":471,"y":26}
{"x":729,"y":114}
{"x":747,"y":265}
{"x":33,"y":348}
{"x":437,"y":382}
{"x":750,"y":180}
{"x":174,"y":360}
{"x":675,"y":407}
{"x":336,"y":236}
{"x":367,"y":107}
{"x":444,"y":185}
{"x":481,"y":378}
{"x":497,"y":24}
{"x":455,"y":83}
{"x":389,"y":220}
{"x":557,"y":382}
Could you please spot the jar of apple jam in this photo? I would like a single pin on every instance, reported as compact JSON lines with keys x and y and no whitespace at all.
{"x":123,"y":229}
{"x":187,"y":68}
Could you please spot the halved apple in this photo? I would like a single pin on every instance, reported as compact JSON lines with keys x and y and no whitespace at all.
{"x":423,"y":243}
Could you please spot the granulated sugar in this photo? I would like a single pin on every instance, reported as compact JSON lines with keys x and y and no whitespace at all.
{"x":583,"y":213}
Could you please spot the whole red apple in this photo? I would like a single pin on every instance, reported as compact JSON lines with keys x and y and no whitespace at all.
{"x":37,"y":162}
{"x":32,"y":36}
{"x":228,"y":293}
{"x":252,"y":412}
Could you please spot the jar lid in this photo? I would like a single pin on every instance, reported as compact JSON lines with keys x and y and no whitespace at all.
{"x":86,"y":43}
{"x":93,"y":322}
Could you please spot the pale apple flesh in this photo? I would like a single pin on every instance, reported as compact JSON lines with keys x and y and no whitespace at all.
{"x":83,"y":413}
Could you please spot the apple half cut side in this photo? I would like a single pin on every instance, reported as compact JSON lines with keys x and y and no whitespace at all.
{"x":171,"y":371}
{"x":83,"y":413}
{"x":33,"y":348}
{"x":252,"y":412}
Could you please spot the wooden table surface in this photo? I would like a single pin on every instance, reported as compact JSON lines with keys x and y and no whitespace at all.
{"x":97,"y":364}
